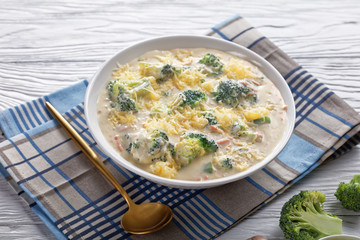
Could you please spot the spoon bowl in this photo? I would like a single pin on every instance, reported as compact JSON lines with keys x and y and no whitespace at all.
{"x":140,"y":218}
{"x":146,"y":218}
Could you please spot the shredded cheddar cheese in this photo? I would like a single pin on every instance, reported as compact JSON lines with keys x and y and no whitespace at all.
{"x":166,"y":169}
{"x":189,"y":77}
{"x":156,"y":102}
{"x":237,"y":70}
{"x":226,"y":117}
{"x":119,"y":117}
{"x":178,"y":122}
{"x":126,"y":73}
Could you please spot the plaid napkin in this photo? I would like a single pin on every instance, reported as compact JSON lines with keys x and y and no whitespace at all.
{"x":75,"y":202}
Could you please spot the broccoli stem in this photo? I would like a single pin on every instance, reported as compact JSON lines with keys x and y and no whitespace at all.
{"x":323,"y":224}
{"x":262,"y":120}
{"x":355,"y":179}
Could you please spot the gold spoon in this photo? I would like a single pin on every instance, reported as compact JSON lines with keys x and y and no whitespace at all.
{"x":140,"y":218}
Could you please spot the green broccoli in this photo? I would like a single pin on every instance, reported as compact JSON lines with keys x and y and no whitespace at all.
{"x":213,"y":62}
{"x":239,"y":129}
{"x":192,"y":98}
{"x":120,"y":99}
{"x":192,"y":146}
{"x":231,"y":92}
{"x":208,"y":167}
{"x":303,"y":217}
{"x":139,"y":88}
{"x":124,"y":103}
{"x":114,"y":88}
{"x":167,"y":72}
{"x":349,"y":193}
{"x":160,"y":133}
{"x":159,"y":140}
{"x":208,"y":145}
{"x":160,"y":148}
{"x":150,"y":70}
{"x":227,"y":163}
{"x":121,"y":94}
{"x":171,"y":149}
{"x":262,"y":120}
{"x":187,"y":150}
{"x":135,"y":148}
{"x":160,"y":73}
{"x":160,"y":111}
{"x":149,"y":147}
{"x":211,"y":118}
{"x":166,"y":94}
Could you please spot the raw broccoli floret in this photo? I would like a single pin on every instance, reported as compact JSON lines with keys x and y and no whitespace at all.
{"x":303,"y":217}
{"x":349,"y":193}
{"x":192,"y":146}
{"x":213,"y":62}
{"x":231,"y":92}
{"x":192,"y":98}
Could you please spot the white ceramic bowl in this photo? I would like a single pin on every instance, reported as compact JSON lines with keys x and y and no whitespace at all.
{"x":97,"y":84}
{"x":341,"y":237}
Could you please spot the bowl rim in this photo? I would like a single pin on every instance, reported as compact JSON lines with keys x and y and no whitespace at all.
{"x":347,"y":237}
{"x":188,"y":184}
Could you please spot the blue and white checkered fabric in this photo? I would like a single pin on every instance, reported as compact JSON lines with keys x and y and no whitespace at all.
{"x":76,"y":202}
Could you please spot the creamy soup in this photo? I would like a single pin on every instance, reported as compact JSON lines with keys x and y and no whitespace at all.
{"x":191,"y":114}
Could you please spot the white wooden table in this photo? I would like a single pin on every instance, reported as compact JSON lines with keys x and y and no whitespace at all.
{"x":47,"y":45}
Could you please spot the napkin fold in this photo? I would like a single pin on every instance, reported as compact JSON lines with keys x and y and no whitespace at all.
{"x":47,"y":169}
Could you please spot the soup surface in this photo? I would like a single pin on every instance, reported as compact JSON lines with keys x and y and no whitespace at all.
{"x":191,"y":114}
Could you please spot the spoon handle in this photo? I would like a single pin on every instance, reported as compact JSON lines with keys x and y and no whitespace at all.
{"x":85,"y":148}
